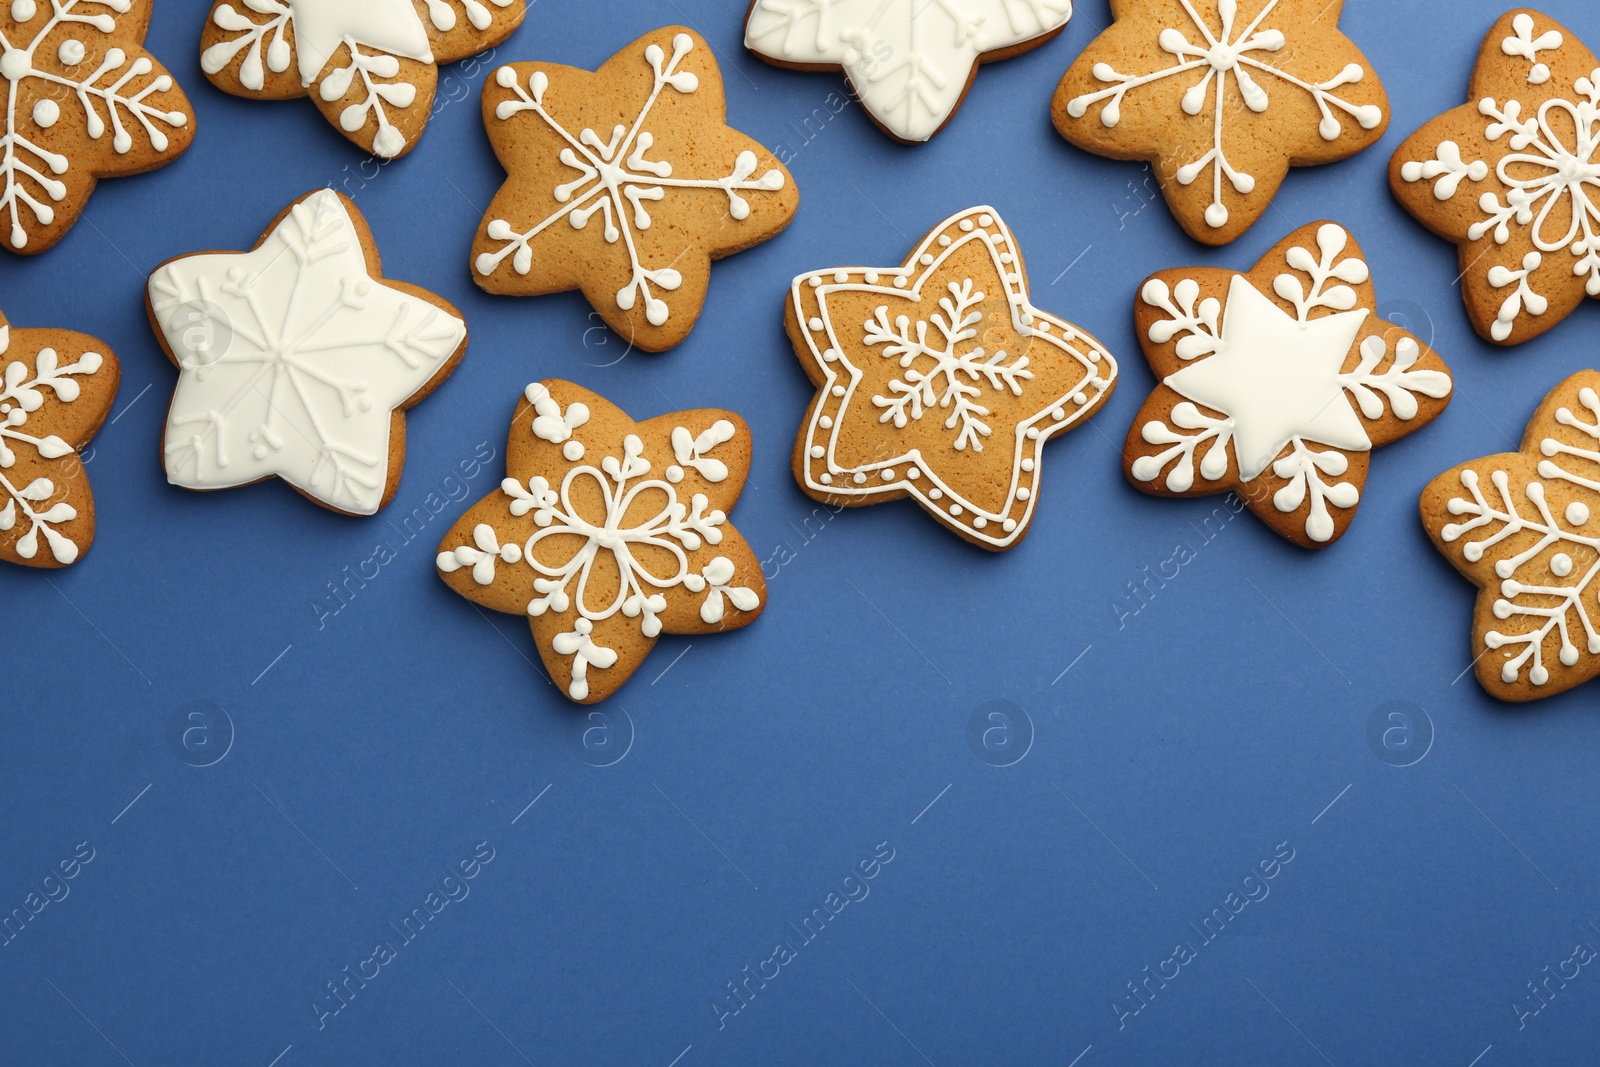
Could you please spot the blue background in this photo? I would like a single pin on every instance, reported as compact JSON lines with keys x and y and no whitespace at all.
{"x":363,"y":756}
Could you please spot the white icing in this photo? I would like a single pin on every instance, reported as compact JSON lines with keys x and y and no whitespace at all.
{"x":945,"y":373}
{"x":909,"y":61}
{"x":1553,"y":163}
{"x":638,"y":514}
{"x":1540,"y":594}
{"x":374,"y":31}
{"x":615,"y":178}
{"x":292,"y":360}
{"x":1217,"y":54}
{"x":1278,"y":381}
{"x":114,"y":96}
{"x":22,"y":394}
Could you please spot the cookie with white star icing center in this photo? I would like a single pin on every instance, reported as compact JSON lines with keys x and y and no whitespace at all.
{"x":298,"y":359}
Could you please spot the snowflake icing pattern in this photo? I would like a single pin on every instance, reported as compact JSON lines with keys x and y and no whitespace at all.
{"x":1245,"y":54}
{"x":654,"y":545}
{"x":614,"y":177}
{"x":1541,"y":189}
{"x":1523,"y":527}
{"x":61,"y":57}
{"x":293,"y":359}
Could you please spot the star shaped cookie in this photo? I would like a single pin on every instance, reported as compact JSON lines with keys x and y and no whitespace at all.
{"x":1222,"y":97}
{"x":84,"y":101}
{"x":939,"y":380}
{"x":909,"y":62}
{"x":299,"y":359}
{"x":56,"y":390}
{"x":625,"y":183}
{"x":370,"y":66}
{"x":1512,"y":176}
{"x":1277,"y":384}
{"x":1525,"y":528}
{"x":608,"y":533}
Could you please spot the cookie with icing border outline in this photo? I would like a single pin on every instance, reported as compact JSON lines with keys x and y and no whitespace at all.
{"x":1169,"y":115}
{"x":640,"y":507}
{"x":1313,"y":284}
{"x":679,"y":187}
{"x":1524,"y":527}
{"x":1470,"y":178}
{"x":903,"y":130}
{"x":396,"y":451}
{"x":57,"y":388}
{"x":378,"y":81}
{"x":837,"y":362}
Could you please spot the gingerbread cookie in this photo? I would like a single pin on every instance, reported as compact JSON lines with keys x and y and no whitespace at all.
{"x":632,"y":214}
{"x":1277,"y":384}
{"x":939,"y":380}
{"x":1512,"y":177}
{"x":370,"y":66}
{"x":909,"y":62}
{"x":299,"y":359}
{"x":609,"y":533}
{"x":1222,"y":96}
{"x":84,"y":101}
{"x":56,"y":390}
{"x":1525,"y":528}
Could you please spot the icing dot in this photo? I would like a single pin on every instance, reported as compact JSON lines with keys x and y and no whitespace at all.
{"x":900,"y":281}
{"x":985,"y":220}
{"x":841,"y":276}
{"x":71,"y":52}
{"x":955,"y":509}
{"x":838,"y":390}
{"x":859,"y":478}
{"x":888,"y":474}
{"x":1009,"y":525}
{"x":980,"y":522}
{"x":816,"y":451}
{"x":944,"y":240}
{"x":825,"y":478}
{"x":913,"y":474}
{"x":871,"y":277}
{"x":926,"y":259}
{"x":935,"y":493}
{"x":46,"y":112}
{"x":1027,"y":464}
{"x":23,"y":10}
{"x":1033,"y":432}
{"x":674,"y":474}
{"x":573,"y":450}
{"x":1058,"y":414}
{"x":1577,"y":513}
{"x":815,"y":323}
{"x":1006,"y":257}
{"x":966,"y":225}
{"x":1080,"y":399}
{"x":826,"y":422}
{"x":816,"y":281}
{"x":830,"y":355}
{"x":1561,"y":565}
{"x":1023,"y":494}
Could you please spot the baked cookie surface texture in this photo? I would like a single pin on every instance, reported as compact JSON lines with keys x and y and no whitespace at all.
{"x":1278,"y":384}
{"x":940,"y":381}
{"x":1512,"y":177}
{"x":84,"y":101}
{"x":607,"y":533}
{"x":1222,"y":97}
{"x":56,"y":390}
{"x":298,"y":359}
{"x":625,"y":183}
{"x":1525,"y":528}
{"x":909,"y":62}
{"x":370,"y":66}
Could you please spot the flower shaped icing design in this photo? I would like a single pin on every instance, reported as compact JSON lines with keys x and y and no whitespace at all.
{"x":298,"y":360}
{"x":56,"y":390}
{"x":370,"y":66}
{"x":607,"y":533}
{"x":1512,"y":177}
{"x":1277,"y":384}
{"x":625,"y":183}
{"x":84,"y":101}
{"x":1525,"y":528}
{"x":909,"y":62}
{"x":939,"y":380}
{"x":1222,"y":96}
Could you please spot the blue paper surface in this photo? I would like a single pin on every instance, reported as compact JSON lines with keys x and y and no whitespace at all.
{"x":1050,"y":789}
